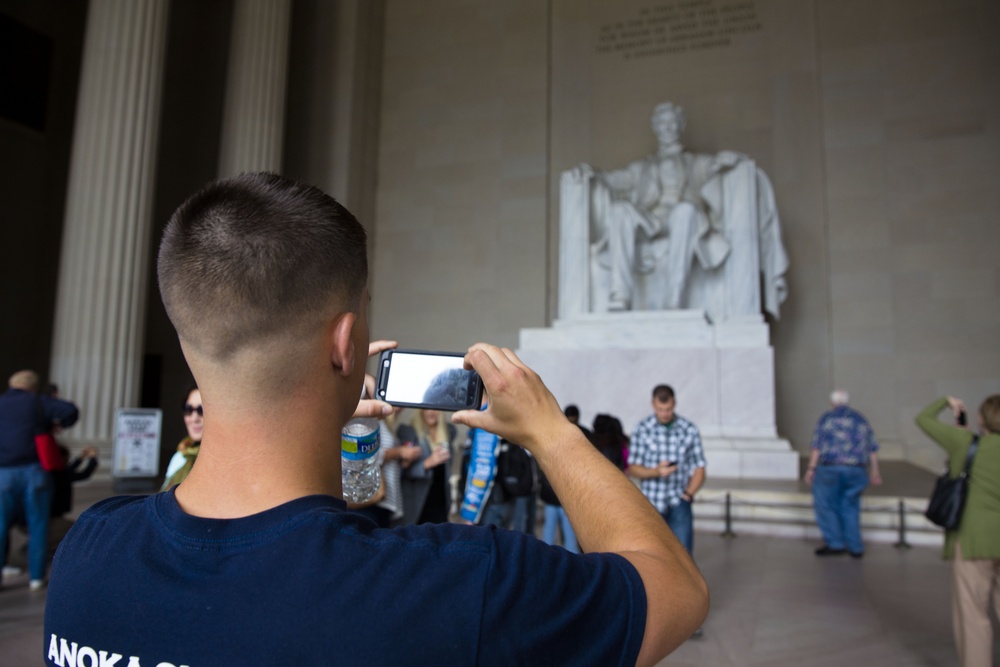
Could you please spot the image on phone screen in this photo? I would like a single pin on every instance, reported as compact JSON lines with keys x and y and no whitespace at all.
{"x":427,"y":379}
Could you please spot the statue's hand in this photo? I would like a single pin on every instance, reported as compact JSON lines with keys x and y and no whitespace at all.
{"x":582,"y":172}
{"x":727,"y":159}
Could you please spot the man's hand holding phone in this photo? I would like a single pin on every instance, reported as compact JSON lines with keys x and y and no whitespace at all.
{"x":667,"y":468}
{"x":521,"y":409}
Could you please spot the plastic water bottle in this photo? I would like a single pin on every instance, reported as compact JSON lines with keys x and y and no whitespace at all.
{"x":360,"y":461}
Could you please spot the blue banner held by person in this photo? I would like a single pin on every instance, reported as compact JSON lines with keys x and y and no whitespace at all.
{"x":482,"y":470}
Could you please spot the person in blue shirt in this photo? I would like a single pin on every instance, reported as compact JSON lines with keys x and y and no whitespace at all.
{"x":843,"y":461}
{"x":24,"y":485}
{"x":256,"y":551}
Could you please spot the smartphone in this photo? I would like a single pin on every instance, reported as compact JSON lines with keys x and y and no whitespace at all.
{"x":429,"y":380}
{"x":962,"y":419}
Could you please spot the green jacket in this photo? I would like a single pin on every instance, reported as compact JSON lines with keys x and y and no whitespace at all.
{"x":979,"y":531}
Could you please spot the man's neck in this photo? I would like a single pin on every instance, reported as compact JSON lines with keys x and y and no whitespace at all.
{"x":255,"y":458}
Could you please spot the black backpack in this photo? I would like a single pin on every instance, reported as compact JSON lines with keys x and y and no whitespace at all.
{"x":517,"y":471}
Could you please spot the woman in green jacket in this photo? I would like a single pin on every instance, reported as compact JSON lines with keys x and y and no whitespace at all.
{"x":975,"y":545}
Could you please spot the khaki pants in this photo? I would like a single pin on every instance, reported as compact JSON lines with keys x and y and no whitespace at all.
{"x":976,"y":582}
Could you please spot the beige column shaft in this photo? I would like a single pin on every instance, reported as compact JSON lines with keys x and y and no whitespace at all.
{"x":100,"y":307}
{"x":254,"y":118}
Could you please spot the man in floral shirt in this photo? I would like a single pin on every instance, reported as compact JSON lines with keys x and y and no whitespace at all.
{"x":843,"y":449}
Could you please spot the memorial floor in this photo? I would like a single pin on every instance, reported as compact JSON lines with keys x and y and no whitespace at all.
{"x":774,"y":603}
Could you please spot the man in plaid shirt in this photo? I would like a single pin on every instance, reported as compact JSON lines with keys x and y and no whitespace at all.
{"x":665,"y":454}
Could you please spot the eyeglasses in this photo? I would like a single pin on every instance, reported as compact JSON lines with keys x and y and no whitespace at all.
{"x":189,"y":409}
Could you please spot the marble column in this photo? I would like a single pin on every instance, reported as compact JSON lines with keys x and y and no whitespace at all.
{"x":254,"y":117}
{"x":101,"y":302}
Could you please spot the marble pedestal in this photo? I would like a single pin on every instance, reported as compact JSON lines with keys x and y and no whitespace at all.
{"x":723,"y":376}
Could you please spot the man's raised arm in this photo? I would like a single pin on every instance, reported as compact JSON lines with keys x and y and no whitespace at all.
{"x":607,"y":511}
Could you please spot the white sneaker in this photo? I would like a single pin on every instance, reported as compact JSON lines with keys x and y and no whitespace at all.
{"x":36,"y":584}
{"x":12,"y":571}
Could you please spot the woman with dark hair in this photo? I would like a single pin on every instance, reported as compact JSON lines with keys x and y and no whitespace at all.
{"x":187,"y":451}
{"x":975,"y":544}
{"x":610,"y":439}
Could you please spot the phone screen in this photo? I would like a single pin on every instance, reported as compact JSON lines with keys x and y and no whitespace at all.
{"x":436,"y":380}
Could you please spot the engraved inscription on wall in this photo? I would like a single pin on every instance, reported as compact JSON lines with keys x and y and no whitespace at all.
{"x":678,"y":26}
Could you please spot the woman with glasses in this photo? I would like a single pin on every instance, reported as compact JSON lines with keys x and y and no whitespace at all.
{"x":187,"y":451}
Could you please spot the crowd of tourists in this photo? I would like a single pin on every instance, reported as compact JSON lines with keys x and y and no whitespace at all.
{"x":252,"y":492}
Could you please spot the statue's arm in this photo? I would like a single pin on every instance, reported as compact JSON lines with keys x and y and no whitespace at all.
{"x":618,"y":180}
{"x":726,"y":160}
{"x":621,"y":180}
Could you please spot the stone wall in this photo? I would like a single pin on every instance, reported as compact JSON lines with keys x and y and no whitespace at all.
{"x":910,"y":95}
{"x":875,"y":120}
{"x":461,"y":236}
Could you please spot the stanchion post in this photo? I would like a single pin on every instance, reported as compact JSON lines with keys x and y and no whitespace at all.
{"x":902,"y":543}
{"x":728,"y":532}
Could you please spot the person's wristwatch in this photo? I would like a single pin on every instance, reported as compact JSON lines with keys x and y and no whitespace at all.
{"x":687,"y":497}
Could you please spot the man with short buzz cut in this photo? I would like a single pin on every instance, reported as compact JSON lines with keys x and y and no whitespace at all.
{"x":255,"y":560}
{"x":24,"y":485}
{"x":666,"y":455}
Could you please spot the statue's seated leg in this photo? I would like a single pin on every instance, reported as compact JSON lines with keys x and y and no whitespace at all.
{"x":682,"y":227}
{"x":624,"y":221}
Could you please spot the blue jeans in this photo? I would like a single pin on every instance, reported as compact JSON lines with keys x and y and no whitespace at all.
{"x":554,"y":514}
{"x":512,"y":514}
{"x":681,"y":522}
{"x":496,"y":514}
{"x":28,"y":487}
{"x":837,"y":501}
{"x":524,"y":514}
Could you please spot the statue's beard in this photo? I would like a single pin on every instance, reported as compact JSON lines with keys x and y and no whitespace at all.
{"x":670,"y":147}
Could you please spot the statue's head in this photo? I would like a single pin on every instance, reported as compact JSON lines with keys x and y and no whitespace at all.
{"x":668,"y":121}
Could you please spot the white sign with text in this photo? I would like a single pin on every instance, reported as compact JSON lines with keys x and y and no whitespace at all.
{"x":137,"y":442}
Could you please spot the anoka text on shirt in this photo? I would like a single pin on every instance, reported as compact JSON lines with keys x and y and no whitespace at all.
{"x":71,"y":654}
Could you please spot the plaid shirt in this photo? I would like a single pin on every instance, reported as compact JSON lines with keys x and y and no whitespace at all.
{"x":653,"y":443}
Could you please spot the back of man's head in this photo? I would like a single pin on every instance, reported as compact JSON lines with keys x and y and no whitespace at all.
{"x":572,"y":413}
{"x":24,"y":380}
{"x":256,"y":257}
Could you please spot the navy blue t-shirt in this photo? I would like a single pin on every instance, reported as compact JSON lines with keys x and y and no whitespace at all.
{"x":309,"y":583}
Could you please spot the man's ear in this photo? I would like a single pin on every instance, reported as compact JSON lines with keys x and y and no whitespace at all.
{"x":342,"y":352}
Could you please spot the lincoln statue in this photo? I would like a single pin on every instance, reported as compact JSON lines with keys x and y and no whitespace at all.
{"x":673,"y":230}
